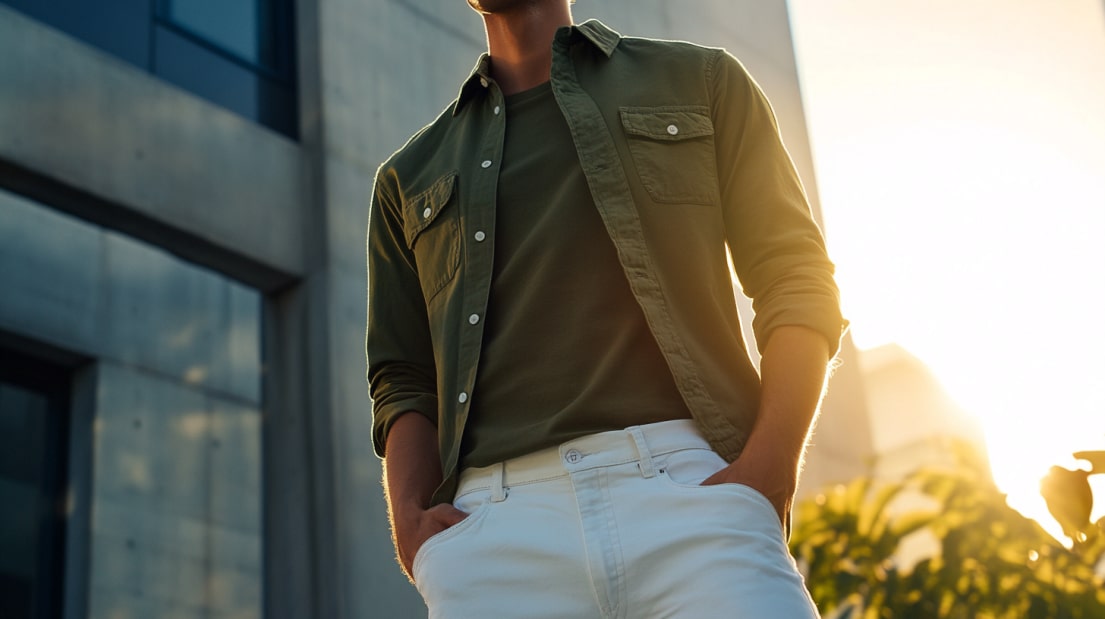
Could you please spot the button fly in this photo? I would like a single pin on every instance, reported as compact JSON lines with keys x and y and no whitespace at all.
{"x":572,"y":456}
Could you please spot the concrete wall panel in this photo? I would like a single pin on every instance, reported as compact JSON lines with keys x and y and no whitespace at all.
{"x":378,"y":90}
{"x":99,"y":293}
{"x":93,"y":123}
{"x":50,"y":275}
{"x":176,"y":524}
{"x":163,"y":313}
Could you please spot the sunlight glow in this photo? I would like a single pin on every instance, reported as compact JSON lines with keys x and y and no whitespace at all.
{"x":960,"y":156}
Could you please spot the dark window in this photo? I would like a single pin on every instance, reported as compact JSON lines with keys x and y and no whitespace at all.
{"x":34,"y":446}
{"x":239,"y":54}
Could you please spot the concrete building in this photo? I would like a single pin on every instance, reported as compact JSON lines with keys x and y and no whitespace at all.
{"x":184,"y":427}
{"x":912,"y":417}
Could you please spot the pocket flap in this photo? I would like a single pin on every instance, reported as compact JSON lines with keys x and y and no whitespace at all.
{"x":424,"y":207}
{"x":667,"y":123}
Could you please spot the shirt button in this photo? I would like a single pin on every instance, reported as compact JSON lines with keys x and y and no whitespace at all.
{"x":486,"y":164}
{"x":497,"y":110}
{"x":473,"y":319}
{"x":672,"y":129}
{"x":462,"y":398}
{"x":572,"y":456}
{"x":426,"y":213}
{"x":480,"y":236}
{"x":483,"y":82}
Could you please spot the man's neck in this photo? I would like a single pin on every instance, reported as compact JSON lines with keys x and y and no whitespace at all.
{"x":520,"y":43}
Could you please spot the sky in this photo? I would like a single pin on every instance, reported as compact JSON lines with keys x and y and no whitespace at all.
{"x":959,"y":148}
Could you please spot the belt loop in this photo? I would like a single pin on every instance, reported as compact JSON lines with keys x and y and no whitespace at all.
{"x":644,"y":457}
{"x":498,"y":493}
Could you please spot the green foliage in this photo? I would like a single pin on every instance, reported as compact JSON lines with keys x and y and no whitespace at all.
{"x":863,"y":548}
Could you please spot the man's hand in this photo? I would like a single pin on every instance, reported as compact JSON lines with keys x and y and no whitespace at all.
{"x":413,"y":529}
{"x":778,"y":483}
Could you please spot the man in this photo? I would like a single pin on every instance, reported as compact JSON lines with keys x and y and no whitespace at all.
{"x":569,"y":420}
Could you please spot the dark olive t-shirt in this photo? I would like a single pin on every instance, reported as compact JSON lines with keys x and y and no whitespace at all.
{"x":566,"y":349}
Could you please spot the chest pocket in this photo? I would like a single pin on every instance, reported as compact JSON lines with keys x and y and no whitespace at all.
{"x":673,"y":151}
{"x":431,"y":226}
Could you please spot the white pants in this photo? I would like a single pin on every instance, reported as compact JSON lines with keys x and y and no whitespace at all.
{"x":612,"y":525}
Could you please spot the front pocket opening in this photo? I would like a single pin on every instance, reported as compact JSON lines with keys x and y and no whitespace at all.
{"x":667,"y":123}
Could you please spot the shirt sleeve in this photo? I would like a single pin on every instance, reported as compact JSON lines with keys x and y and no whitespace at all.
{"x":777,"y":248}
{"x":401,"y":372}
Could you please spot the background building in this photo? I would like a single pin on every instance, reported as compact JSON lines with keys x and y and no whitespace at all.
{"x":184,"y":186}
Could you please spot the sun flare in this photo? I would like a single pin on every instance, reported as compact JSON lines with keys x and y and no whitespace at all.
{"x":960,"y":156}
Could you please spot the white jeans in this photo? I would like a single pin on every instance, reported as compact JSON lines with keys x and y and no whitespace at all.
{"x":612,"y":525}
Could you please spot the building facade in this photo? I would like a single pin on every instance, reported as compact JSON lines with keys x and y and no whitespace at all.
{"x":184,"y":188}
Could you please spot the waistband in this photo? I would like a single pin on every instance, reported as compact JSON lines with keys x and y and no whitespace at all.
{"x":634,"y":444}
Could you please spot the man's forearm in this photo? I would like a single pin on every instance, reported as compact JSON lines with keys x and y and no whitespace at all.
{"x":412,"y":470}
{"x":792,"y":378}
{"x":792,"y":374}
{"x":411,"y":474}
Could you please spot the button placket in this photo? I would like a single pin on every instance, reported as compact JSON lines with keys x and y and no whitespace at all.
{"x":479,"y":207}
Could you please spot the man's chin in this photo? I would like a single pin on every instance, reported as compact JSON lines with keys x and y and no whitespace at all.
{"x":491,"y":7}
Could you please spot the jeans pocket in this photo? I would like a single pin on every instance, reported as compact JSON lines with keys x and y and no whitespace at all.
{"x":688,"y":468}
{"x":469,"y":524}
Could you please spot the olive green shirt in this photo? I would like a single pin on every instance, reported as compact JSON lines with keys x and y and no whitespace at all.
{"x":685,"y":165}
{"x":566,"y":349}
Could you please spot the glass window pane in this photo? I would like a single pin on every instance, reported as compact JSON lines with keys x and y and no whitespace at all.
{"x":33,"y":439}
{"x":230,"y":24}
{"x":237,"y":53}
{"x":119,"y":27}
{"x":233,"y":86}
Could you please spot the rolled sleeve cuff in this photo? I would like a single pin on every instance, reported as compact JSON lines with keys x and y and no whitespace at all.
{"x":384,"y":416}
{"x":813,"y":315}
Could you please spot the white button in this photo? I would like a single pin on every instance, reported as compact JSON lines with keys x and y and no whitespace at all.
{"x":672,"y":129}
{"x":573,"y":456}
{"x":426,"y":213}
{"x":486,"y":164}
{"x":462,"y":398}
{"x":483,"y":82}
{"x":473,"y":319}
{"x":480,"y":236}
{"x":497,"y":110}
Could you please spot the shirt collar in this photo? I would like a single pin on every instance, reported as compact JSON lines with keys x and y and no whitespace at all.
{"x":592,"y":31}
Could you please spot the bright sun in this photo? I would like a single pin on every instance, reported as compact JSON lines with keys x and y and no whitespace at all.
{"x":960,"y":155}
